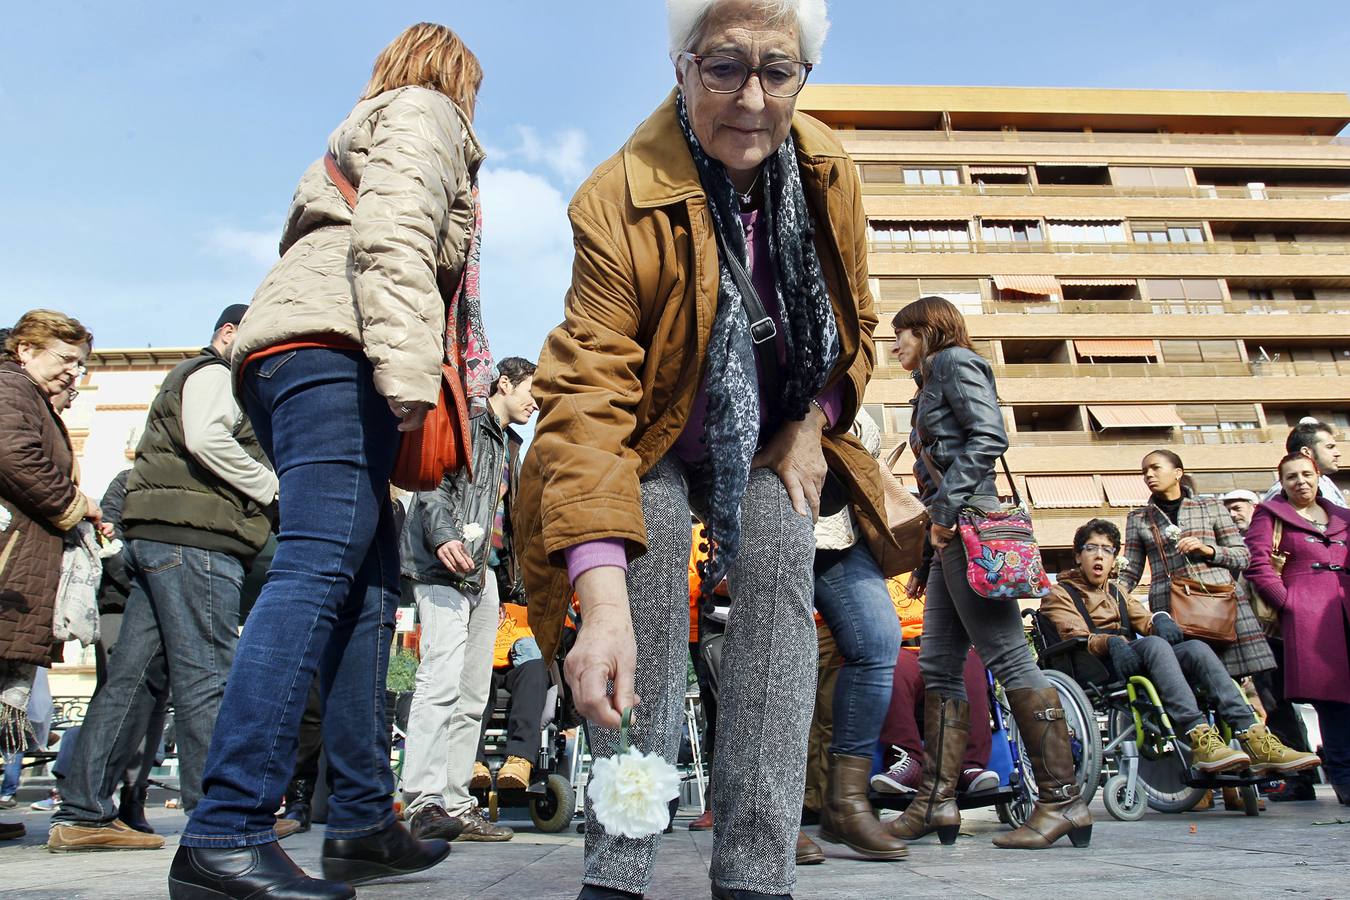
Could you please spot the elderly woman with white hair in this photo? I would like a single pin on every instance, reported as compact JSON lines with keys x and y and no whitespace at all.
{"x":716,"y":346}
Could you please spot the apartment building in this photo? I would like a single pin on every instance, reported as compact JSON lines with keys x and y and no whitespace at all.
{"x":1143,"y":269}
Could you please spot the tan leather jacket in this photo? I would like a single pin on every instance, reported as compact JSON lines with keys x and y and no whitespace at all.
{"x":1059,"y":607}
{"x":376,"y":275}
{"x":617,"y":378}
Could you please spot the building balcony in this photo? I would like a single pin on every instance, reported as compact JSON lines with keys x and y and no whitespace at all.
{"x":1099,"y":191}
{"x":1259,"y":368}
{"x":863,"y":136}
{"x":1168,"y":307}
{"x":1200,"y":248}
{"x":1157,"y":437}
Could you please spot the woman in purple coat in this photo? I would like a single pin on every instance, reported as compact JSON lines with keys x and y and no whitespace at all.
{"x":1312,"y":594}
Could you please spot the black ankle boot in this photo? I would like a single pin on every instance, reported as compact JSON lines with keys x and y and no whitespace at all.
{"x":131,"y":808}
{"x":393,"y":851}
{"x":262,"y":871}
{"x":299,"y":796}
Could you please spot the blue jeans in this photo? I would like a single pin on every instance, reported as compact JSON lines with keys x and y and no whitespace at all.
{"x":327,"y":608}
{"x":1334,"y":721}
{"x":852,"y":598}
{"x":183,"y":617}
{"x":9,"y":782}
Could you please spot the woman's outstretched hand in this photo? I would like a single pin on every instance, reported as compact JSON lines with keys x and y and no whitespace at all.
{"x":601,"y":664}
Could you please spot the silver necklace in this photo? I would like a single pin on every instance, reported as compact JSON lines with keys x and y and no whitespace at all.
{"x":749,"y":193}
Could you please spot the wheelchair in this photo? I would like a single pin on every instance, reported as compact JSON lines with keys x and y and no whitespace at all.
{"x":1015,"y":795}
{"x":552,"y":793}
{"x":1142,"y":763}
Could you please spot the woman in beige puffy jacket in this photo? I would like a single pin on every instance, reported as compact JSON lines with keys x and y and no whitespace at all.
{"x":340,"y":351}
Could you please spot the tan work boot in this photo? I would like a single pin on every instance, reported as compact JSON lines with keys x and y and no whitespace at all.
{"x":1268,"y":754}
{"x":514,"y":774}
{"x":66,"y":837}
{"x":1211,"y":754}
{"x":848,"y":818}
{"x":286,"y":827}
{"x":1059,"y":808}
{"x":946,"y":724}
{"x":482,"y":778}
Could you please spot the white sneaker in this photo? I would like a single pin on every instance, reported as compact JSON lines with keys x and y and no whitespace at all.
{"x":51,"y":804}
{"x":7,"y":801}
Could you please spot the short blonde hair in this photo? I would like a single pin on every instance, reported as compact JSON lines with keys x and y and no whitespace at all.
{"x":430,"y":56}
{"x":686,"y":18}
{"x":40,"y":327}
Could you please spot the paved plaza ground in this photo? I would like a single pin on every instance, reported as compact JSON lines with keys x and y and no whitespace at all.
{"x":1291,"y":849}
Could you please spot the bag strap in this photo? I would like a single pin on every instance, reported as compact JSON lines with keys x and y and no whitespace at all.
{"x":339,"y":180}
{"x":1158,"y":540}
{"x":935,"y":473}
{"x":1276,"y":536}
{"x":763,"y":330}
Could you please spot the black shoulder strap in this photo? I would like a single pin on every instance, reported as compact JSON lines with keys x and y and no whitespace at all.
{"x":1125,"y":624}
{"x":763,"y":331}
{"x":1077,"y":597}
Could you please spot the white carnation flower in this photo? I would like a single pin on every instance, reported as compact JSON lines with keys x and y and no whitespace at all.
{"x":5,"y":518}
{"x":630,"y":793}
{"x":472,"y":532}
{"x":111,"y":548}
{"x":1172,"y":532}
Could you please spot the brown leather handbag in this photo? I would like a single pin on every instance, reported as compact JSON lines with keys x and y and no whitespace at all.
{"x":441,"y":445}
{"x":905,"y":515}
{"x":1267,"y":615}
{"x":1205,"y":612}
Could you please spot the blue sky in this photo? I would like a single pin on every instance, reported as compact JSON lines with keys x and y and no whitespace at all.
{"x":152,"y":147}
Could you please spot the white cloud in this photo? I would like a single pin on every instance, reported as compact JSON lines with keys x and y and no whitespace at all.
{"x":563,"y":153}
{"x":527,"y":259}
{"x":255,"y":246}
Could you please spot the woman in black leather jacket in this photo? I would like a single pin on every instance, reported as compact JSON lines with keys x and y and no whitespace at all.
{"x":958,"y":436}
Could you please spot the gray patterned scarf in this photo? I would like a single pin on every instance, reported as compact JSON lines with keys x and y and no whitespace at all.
{"x":731,"y":428}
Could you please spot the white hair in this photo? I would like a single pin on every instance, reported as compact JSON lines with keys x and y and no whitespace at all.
{"x":686,"y":19}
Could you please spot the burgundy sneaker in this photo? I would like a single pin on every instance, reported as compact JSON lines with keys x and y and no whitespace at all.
{"x":974,"y":780}
{"x":901,"y":778}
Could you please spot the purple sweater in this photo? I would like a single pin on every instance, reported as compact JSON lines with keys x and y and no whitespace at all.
{"x":688,"y":446}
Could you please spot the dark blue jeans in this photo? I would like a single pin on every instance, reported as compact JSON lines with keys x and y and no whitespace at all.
{"x":852,"y":598}
{"x":182,"y":618}
{"x":327,"y":608}
{"x":1334,"y":721}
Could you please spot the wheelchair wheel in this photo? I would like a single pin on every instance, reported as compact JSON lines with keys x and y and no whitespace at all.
{"x":552,"y":811}
{"x":1161,"y":778}
{"x":1251,"y":801}
{"x":1113,"y":795}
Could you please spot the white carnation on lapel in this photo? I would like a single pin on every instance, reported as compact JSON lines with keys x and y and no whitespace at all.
{"x":1172,"y":532}
{"x":630,"y":793}
{"x":472,"y":532}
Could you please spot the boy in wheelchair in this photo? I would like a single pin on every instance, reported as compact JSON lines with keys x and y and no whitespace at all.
{"x":1119,"y":629}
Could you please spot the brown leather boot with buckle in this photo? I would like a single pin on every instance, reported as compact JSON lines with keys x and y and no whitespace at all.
{"x":848,"y":818}
{"x":1059,"y":808}
{"x":946,"y":724}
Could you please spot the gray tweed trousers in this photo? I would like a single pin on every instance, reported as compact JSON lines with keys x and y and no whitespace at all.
{"x":767,"y":691}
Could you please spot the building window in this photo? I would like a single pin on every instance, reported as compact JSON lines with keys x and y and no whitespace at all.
{"x":932,"y":176}
{"x":1260,"y":294}
{"x":921,"y":232}
{"x":875,"y":173}
{"x":1150,"y":176}
{"x":1185,"y":295}
{"x":1200,"y":351}
{"x":1166,"y":233}
{"x":1011,"y":232}
{"x":1087,"y":232}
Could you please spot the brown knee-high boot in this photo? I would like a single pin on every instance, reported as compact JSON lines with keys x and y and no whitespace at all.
{"x":946,"y":724}
{"x":1059,"y":809}
{"x":848,"y":818}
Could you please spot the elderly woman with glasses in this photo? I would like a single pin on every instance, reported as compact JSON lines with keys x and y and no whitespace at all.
{"x":716,"y":345}
{"x":42,"y":358}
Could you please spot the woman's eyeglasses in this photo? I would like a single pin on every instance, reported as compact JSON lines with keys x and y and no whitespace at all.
{"x":727,"y":75}
{"x":68,"y":361}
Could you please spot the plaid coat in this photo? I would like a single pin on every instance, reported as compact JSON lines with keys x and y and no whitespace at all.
{"x":1207,"y":519}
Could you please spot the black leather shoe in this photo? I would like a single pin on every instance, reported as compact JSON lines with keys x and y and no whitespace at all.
{"x":131,"y":808}
{"x":595,"y":892}
{"x":299,"y":797}
{"x":246,"y":872}
{"x":432,"y":821}
{"x":721,"y":893}
{"x":393,"y":851}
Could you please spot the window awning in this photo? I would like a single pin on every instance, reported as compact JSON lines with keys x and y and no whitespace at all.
{"x":998,"y":170}
{"x":1044,"y":285}
{"x":1098,"y":282}
{"x":1125,"y":490}
{"x":1159,"y":416}
{"x":1071,"y":165}
{"x":1064,"y":491}
{"x":1078,"y":220}
{"x":1116,"y":348}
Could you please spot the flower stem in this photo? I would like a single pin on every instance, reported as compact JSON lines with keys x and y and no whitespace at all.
{"x":624,"y":725}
